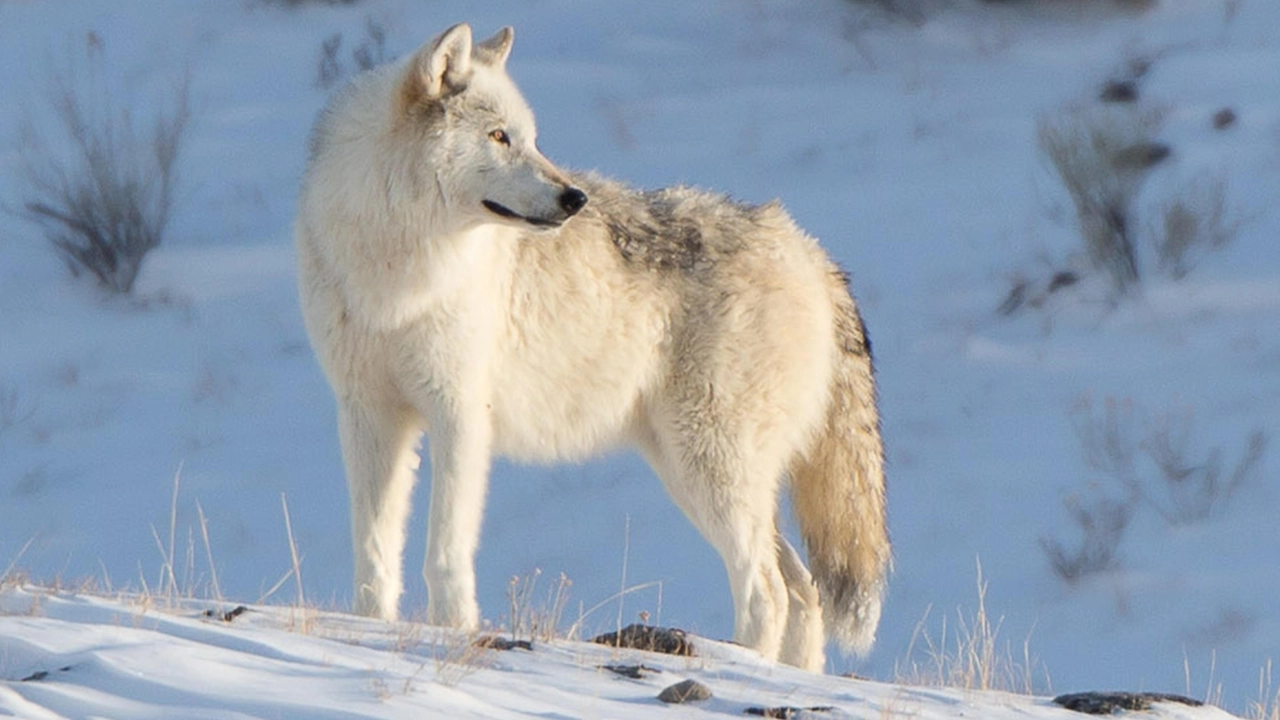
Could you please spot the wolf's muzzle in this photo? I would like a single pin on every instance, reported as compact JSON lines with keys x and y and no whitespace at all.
{"x":571,"y":201}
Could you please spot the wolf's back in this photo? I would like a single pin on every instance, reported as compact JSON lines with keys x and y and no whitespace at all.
{"x":838,"y":488}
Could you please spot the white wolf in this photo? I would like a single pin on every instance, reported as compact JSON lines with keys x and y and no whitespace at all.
{"x":455,"y":281}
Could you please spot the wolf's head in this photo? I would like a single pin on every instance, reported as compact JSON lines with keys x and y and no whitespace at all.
{"x":478,"y":134}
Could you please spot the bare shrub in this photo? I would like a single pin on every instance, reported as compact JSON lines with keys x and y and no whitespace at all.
{"x":1152,"y":460}
{"x":1109,"y":447}
{"x":13,"y":411}
{"x":1103,"y":157}
{"x":372,"y":50}
{"x":1148,"y":462}
{"x":915,"y":12}
{"x":329,"y":68}
{"x":1197,"y":220}
{"x":1185,"y":490}
{"x":294,"y":4}
{"x":1103,"y":154}
{"x":368,"y":54}
{"x":1102,"y":523}
{"x":103,"y":195}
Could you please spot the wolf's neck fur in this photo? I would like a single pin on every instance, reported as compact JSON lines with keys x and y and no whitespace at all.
{"x":437,"y":274}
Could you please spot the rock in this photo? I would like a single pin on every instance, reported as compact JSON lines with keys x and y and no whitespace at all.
{"x":39,"y":675}
{"x":1107,"y":703}
{"x":635,"y":672}
{"x":1224,"y":118}
{"x":685,"y":691}
{"x":645,"y":637}
{"x":227,"y":616}
{"x":787,"y":712}
{"x":494,"y":642}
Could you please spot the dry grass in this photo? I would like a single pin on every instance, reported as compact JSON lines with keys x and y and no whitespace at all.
{"x":1267,"y":706}
{"x":180,"y":579}
{"x":12,"y":577}
{"x":971,"y":654}
{"x":530,"y":617}
{"x":457,"y":655}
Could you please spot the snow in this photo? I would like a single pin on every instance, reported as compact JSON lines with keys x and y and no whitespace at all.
{"x":908,"y":149}
{"x":77,"y":656}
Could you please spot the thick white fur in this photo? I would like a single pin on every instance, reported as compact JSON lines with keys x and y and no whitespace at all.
{"x":430,"y":312}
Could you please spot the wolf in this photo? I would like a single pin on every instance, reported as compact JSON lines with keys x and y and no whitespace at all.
{"x":454,"y":282}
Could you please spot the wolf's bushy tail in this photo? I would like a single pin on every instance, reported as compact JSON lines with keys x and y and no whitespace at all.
{"x":838,"y":490}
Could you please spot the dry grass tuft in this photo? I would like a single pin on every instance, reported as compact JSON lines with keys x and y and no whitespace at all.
{"x":1267,"y":706}
{"x":972,"y":656}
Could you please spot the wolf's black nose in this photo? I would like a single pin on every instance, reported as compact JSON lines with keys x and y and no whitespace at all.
{"x":572,"y":200}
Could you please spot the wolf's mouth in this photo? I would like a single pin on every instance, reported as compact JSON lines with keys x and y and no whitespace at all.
{"x":506,"y":212}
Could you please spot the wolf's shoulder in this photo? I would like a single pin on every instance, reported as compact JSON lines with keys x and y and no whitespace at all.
{"x":679,"y":227}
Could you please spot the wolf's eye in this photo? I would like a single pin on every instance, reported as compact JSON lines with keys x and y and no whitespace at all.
{"x":501,"y":137}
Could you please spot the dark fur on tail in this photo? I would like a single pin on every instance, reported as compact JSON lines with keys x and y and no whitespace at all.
{"x":838,"y":490}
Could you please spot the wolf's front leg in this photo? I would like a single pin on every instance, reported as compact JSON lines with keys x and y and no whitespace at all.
{"x":460,"y":453}
{"x":379,"y":449}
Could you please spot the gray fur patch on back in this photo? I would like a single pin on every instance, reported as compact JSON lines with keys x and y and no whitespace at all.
{"x":657,"y":237}
{"x":676,"y":228}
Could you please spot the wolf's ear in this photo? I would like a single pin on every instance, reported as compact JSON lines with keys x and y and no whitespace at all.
{"x":495,"y":51}
{"x":442,"y":66}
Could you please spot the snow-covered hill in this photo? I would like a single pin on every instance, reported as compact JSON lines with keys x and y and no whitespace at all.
{"x":909,"y":149}
{"x":74,"y":656}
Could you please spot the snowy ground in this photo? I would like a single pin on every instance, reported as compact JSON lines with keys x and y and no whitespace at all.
{"x":88,"y":657}
{"x":910,"y":150}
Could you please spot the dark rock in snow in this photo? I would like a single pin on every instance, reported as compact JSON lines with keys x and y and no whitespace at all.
{"x":787,"y":712}
{"x":1107,"y":703}
{"x":227,"y":616}
{"x":685,"y":691}
{"x":494,"y":642}
{"x":39,"y":675}
{"x":635,"y":672}
{"x":646,"y":637}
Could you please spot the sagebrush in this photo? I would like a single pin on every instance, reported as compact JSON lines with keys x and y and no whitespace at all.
{"x":101,"y":189}
{"x":1143,"y":460}
{"x":1103,"y":158}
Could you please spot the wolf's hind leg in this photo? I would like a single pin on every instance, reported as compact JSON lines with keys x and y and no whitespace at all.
{"x":805,"y":637}
{"x":733,"y":508}
{"x":379,"y":448}
{"x":744,"y":536}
